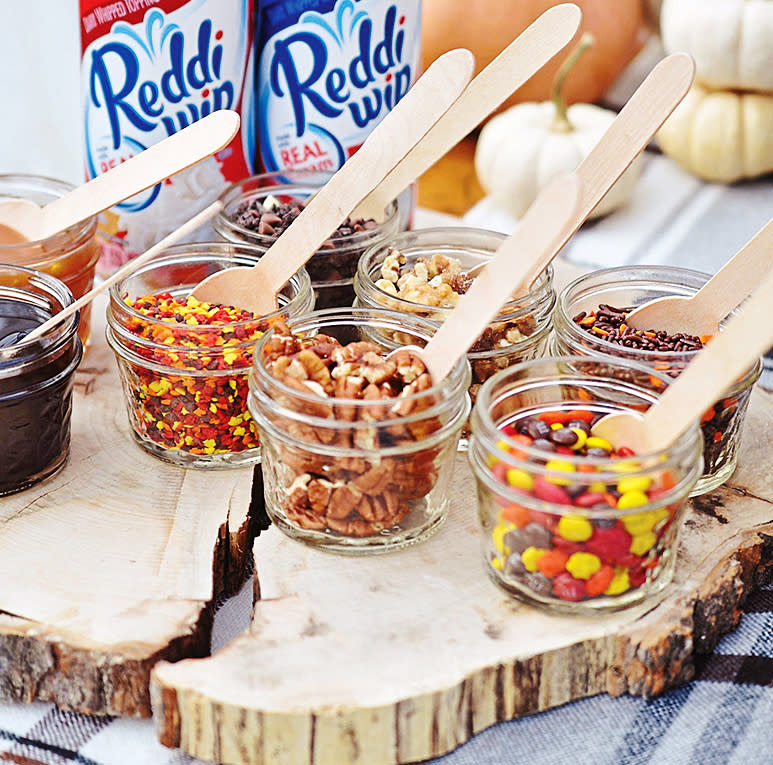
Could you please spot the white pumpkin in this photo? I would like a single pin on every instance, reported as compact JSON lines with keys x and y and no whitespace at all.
{"x":522,"y":149}
{"x":730,"y":40}
{"x":721,"y":135}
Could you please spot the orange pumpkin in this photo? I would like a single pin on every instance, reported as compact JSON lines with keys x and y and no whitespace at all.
{"x":487,"y":26}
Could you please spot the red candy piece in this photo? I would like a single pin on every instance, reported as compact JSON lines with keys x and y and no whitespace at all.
{"x":566,"y":587}
{"x":610,"y":545}
{"x":517,"y":515}
{"x":589,"y":499}
{"x":550,"y":492}
{"x":637,"y":576}
{"x":567,"y":546}
{"x":547,"y":520}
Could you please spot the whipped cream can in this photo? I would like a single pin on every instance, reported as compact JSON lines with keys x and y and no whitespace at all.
{"x":148,"y":69}
{"x":328,"y":72}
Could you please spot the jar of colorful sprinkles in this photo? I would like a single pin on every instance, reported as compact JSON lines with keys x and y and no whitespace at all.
{"x":567,"y":521}
{"x":590,"y":320}
{"x":183,"y":364}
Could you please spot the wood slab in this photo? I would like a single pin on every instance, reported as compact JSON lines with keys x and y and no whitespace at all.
{"x":401,"y":657}
{"x":114,"y":563}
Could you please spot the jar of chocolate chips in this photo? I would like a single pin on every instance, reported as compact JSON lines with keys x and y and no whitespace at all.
{"x":258,"y":209}
{"x":590,"y":320}
{"x":425,"y":272}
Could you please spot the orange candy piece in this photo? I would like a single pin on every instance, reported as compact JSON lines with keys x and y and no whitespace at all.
{"x":599,"y":581}
{"x":517,"y":515}
{"x":552,"y":563}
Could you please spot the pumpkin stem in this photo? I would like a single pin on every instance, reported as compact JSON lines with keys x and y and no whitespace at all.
{"x":561,"y":122}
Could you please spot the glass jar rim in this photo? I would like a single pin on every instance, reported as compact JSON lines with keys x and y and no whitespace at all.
{"x":565,"y":323}
{"x":14,"y":357}
{"x":54,"y":187}
{"x":521,"y":306}
{"x":458,"y":378}
{"x":234,"y":194}
{"x":484,"y":400}
{"x":237,"y":254}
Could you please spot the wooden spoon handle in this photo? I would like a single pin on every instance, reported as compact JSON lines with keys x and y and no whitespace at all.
{"x":638,"y":121}
{"x":528,"y":53}
{"x":151,"y":166}
{"x":738,"y":277}
{"x":728,"y":356}
{"x":510,"y":270}
{"x":424,"y":103}
{"x":187,"y":228}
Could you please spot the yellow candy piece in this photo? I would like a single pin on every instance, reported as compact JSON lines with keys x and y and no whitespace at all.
{"x":498,"y":538}
{"x":640,"y":523}
{"x":503,"y":446}
{"x":619,"y":583}
{"x":642,"y":543}
{"x":632,"y":499}
{"x":497,"y":564}
{"x":520,"y":479}
{"x":560,"y":466}
{"x":582,"y":438}
{"x":625,"y":466}
{"x":634,"y":483}
{"x":598,"y":487}
{"x":556,"y":426}
{"x":575,"y":528}
{"x":595,"y":442}
{"x":582,"y":565}
{"x":530,"y":556}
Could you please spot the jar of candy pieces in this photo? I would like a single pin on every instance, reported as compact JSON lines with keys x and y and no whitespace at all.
{"x":36,"y":377}
{"x":184,"y":364}
{"x":258,"y":209}
{"x":358,"y":445}
{"x":69,"y":255}
{"x":569,"y":521}
{"x":590,"y":319}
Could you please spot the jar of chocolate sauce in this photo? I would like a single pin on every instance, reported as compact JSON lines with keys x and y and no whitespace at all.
{"x":36,"y":377}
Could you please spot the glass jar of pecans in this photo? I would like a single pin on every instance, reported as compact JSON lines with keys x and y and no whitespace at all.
{"x":70,"y":255}
{"x":590,"y":319}
{"x":36,"y":377}
{"x":569,"y":522}
{"x":424,"y":272}
{"x":258,"y":209}
{"x":183,"y":363}
{"x":358,"y":446}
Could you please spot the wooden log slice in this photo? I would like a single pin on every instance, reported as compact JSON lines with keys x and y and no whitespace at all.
{"x":401,"y":657}
{"x":114,"y":563}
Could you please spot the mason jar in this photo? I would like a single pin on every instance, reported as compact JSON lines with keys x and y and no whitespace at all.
{"x":628,"y":287}
{"x":184,"y":367}
{"x":568,"y":522}
{"x":70,"y":255}
{"x":518,"y":333}
{"x":333,"y":266}
{"x":36,"y":377}
{"x":346,"y":471}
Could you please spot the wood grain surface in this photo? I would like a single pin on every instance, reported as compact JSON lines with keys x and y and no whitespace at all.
{"x":115,"y":562}
{"x":401,"y":657}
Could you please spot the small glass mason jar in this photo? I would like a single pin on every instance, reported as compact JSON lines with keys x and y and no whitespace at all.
{"x":333,"y":266}
{"x":628,"y":287}
{"x":36,"y":377}
{"x":185,"y":384}
{"x":566,"y":522}
{"x":70,"y":255}
{"x":356,"y":475}
{"x":520,"y":331}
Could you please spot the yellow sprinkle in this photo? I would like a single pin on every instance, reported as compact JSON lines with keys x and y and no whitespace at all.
{"x":530,"y":556}
{"x":575,"y":528}
{"x":640,"y":523}
{"x":642,"y":543}
{"x":619,"y":583}
{"x":632,"y":499}
{"x":638,"y":483}
{"x":560,"y":466}
{"x":596,"y":442}
{"x":520,"y":479}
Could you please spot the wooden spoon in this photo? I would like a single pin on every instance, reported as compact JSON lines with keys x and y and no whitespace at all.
{"x":701,"y":313}
{"x":22,"y":220}
{"x":539,"y":233}
{"x":186,"y":228}
{"x":255,"y":289}
{"x":521,"y":59}
{"x":745,"y":337}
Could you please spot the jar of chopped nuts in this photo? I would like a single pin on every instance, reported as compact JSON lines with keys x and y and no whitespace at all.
{"x":425,"y":272}
{"x":258,"y":209}
{"x":358,"y":444}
